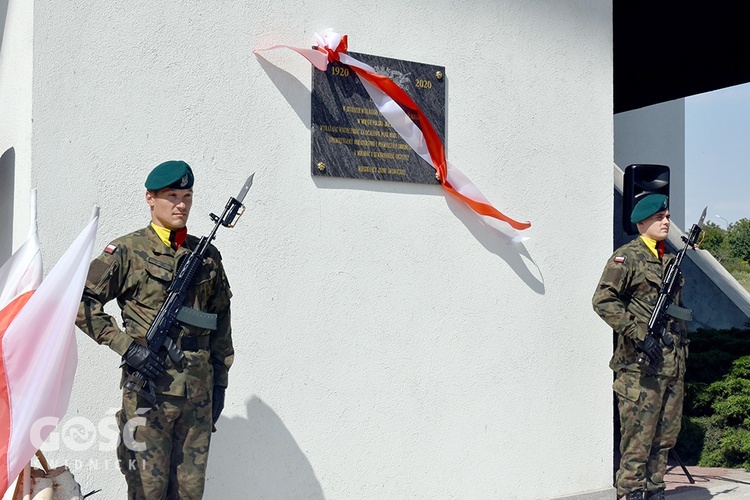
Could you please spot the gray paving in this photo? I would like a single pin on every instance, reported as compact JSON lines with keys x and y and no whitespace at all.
{"x":709,"y":483}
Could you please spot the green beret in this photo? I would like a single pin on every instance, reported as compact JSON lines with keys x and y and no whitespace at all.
{"x":648,"y":206}
{"x":175,"y":174}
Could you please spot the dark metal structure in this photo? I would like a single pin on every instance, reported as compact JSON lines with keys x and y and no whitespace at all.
{"x":669,"y":49}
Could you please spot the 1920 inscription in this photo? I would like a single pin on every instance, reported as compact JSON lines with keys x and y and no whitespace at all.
{"x":339,"y":71}
{"x":350,"y":138}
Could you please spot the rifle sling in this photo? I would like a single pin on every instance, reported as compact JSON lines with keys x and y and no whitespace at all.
{"x":678,"y":312}
{"x":197,"y":318}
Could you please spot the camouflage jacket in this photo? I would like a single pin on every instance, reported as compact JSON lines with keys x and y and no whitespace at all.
{"x":136,"y":269}
{"x":625,"y":298}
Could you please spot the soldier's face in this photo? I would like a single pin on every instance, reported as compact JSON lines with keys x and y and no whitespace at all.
{"x":170,"y":207}
{"x":655,"y":227}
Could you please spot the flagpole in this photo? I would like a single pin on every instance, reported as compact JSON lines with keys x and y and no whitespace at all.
{"x":27,"y":481}
{"x":32,"y":214}
{"x":42,"y":461}
{"x":19,"y":482}
{"x":25,"y":476}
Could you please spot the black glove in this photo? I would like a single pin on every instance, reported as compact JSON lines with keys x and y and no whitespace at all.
{"x":145,"y":361}
{"x":217,"y":404}
{"x":652,"y":348}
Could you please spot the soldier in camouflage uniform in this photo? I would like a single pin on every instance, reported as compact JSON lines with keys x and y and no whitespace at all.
{"x":164,"y":447}
{"x":650,"y":406}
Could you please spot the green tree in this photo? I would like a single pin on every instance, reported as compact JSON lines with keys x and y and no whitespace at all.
{"x":715,"y":240}
{"x":739,"y":239}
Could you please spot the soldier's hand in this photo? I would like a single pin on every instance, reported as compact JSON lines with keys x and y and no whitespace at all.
{"x":145,"y":361}
{"x":217,"y":404}
{"x":651,"y":348}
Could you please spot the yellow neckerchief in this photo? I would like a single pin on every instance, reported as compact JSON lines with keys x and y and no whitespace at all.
{"x":651,"y":244}
{"x":168,"y":237}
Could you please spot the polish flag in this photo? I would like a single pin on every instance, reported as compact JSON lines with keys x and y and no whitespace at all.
{"x":38,"y":354}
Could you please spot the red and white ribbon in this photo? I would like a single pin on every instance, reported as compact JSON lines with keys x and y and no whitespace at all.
{"x":394,"y":103}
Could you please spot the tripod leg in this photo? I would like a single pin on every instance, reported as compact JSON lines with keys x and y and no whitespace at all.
{"x":684,"y":469}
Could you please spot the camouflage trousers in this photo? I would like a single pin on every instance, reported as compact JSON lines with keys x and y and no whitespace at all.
{"x":650,"y":410}
{"x":163,"y":452}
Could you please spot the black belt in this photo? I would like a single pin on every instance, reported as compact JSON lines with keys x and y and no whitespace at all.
{"x":194,"y":343}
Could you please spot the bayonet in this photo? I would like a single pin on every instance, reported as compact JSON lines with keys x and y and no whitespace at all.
{"x":700,"y":222}
{"x":233,"y":209}
{"x":248,"y":183}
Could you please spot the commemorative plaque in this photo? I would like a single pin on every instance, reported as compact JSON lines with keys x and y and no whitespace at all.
{"x":350,"y":138}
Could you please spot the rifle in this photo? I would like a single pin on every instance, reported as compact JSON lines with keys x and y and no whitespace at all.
{"x":166,"y":319}
{"x":657,"y":324}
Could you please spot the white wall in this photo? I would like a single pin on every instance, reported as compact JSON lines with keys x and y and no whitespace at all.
{"x":16,"y":30}
{"x":656,"y":134}
{"x":388,"y":344}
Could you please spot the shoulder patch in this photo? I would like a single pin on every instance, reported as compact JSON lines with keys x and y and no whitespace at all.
{"x":110,"y":249}
{"x":620,"y":259}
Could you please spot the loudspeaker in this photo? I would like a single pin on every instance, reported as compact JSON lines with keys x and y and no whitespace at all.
{"x":639,"y":181}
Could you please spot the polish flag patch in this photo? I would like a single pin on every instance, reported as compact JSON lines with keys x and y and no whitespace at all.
{"x":110,"y":249}
{"x":619,"y":259}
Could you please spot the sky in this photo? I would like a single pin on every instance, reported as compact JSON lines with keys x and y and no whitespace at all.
{"x":717,"y":155}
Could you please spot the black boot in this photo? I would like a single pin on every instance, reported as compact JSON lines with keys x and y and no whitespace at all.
{"x":635,"y":495}
{"x":656,"y":495}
